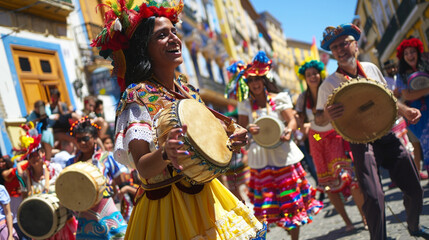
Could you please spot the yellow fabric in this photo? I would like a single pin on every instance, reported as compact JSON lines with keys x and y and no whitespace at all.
{"x":214,"y":213}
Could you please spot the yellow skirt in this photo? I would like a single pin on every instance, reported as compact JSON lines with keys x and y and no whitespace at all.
{"x":213,"y":213}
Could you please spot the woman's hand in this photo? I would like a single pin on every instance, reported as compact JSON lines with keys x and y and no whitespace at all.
{"x":286,"y":135}
{"x":170,"y":150}
{"x":253,"y":128}
{"x":238,"y":138}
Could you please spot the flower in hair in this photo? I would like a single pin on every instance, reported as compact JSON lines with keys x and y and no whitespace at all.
{"x":412,"y":42}
{"x":120,"y":22}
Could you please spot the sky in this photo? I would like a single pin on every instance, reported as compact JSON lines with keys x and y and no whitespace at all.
{"x":303,"y":19}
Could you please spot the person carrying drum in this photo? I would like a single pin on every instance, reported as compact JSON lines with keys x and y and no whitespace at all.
{"x":103,"y":220}
{"x":413,"y":84}
{"x":278,"y":188}
{"x":146,"y":50}
{"x":39,"y":178}
{"x":328,"y":149}
{"x":386,"y":151}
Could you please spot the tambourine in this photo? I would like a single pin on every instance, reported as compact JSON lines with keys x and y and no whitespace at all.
{"x":418,"y":80}
{"x":369,"y":110}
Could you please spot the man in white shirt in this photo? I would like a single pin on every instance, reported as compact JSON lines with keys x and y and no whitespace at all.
{"x":387,"y":151}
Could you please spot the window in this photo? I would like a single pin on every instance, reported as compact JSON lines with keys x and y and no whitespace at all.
{"x":46,"y":66}
{"x":24,"y":64}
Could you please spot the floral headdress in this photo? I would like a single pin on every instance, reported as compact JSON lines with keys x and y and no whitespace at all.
{"x":29,"y":143}
{"x":120,"y":22}
{"x":84,"y":120}
{"x":237,"y":87}
{"x":332,"y":33}
{"x":260,"y":65}
{"x":412,"y":42}
{"x":310,"y":63}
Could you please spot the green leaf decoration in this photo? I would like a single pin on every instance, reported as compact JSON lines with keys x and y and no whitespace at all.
{"x":129,"y":4}
{"x":153,"y":98}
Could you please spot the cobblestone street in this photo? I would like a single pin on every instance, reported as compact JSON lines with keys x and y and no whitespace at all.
{"x":329,"y":225}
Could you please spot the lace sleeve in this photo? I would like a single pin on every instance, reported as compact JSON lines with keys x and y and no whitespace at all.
{"x":133,"y":123}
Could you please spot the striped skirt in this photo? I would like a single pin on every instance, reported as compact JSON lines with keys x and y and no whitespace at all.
{"x":283,"y":195}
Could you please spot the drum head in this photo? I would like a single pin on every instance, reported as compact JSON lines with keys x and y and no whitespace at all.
{"x":36,"y":218}
{"x":76,"y":189}
{"x":418,"y":80}
{"x":369,"y":110}
{"x":205,"y":132}
{"x":270,"y":131}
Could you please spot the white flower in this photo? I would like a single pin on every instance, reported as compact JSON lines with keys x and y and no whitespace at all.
{"x":117,"y":26}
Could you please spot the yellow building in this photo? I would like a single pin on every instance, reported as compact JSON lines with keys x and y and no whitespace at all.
{"x":385,"y":23}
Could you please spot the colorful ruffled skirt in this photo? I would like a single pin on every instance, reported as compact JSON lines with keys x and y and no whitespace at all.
{"x":333,"y":166}
{"x":213,"y":213}
{"x":283,"y":195}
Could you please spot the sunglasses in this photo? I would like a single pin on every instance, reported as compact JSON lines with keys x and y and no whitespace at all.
{"x":85,"y":139}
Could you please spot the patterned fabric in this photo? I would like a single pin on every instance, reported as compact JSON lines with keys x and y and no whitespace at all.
{"x":283,"y":195}
{"x":334,"y":168}
{"x":103,"y":221}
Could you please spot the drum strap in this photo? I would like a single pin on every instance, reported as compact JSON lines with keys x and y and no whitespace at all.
{"x":360,"y":71}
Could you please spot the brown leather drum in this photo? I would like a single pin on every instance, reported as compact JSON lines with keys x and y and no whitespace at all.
{"x":41,"y":216}
{"x":369,"y":110}
{"x":80,"y":186}
{"x":205,"y":137}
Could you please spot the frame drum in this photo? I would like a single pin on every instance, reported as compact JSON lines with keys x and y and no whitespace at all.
{"x":270,"y":131}
{"x":369,"y":110}
{"x":41,"y":216}
{"x":205,"y":137}
{"x":418,"y":80}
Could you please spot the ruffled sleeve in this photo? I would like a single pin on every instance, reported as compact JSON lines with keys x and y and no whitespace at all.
{"x":283,"y":101}
{"x":243,"y":108}
{"x":132,"y":123}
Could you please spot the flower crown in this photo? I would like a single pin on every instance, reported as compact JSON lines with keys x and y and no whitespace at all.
{"x":311,"y":63}
{"x":412,"y":42}
{"x":82,"y":121}
{"x":30,"y":142}
{"x":120,"y":22}
{"x":237,"y":87}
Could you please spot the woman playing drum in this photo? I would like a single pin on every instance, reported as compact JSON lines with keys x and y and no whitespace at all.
{"x":39,"y":177}
{"x":413,"y":63}
{"x":328,"y":149}
{"x":170,"y":207}
{"x":278,"y":188}
{"x":103,"y":220}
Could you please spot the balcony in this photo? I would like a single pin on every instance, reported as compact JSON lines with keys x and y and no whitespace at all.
{"x":57,"y":10}
{"x":404,"y":10}
{"x":388,"y":35}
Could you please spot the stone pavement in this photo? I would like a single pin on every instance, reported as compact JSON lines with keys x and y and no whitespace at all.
{"x":328,"y":224}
